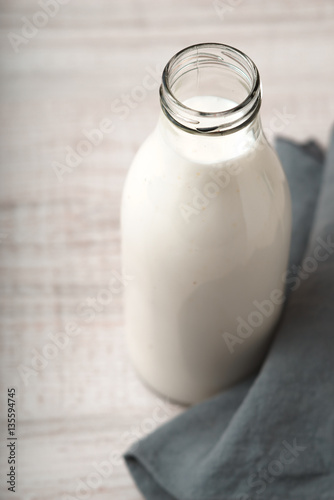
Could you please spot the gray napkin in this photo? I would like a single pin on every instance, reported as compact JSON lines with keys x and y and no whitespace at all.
{"x":271,"y":437}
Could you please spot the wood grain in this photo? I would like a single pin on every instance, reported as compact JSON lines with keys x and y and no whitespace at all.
{"x":60,"y":241}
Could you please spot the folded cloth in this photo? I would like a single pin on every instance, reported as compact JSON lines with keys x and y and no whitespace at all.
{"x":271,"y":437}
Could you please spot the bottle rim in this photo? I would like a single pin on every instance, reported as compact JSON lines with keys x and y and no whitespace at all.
{"x":207,"y":122}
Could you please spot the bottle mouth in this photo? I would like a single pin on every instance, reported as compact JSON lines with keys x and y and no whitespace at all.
{"x":211,"y":70}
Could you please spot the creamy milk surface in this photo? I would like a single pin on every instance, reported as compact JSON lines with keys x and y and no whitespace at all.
{"x":206,"y":232}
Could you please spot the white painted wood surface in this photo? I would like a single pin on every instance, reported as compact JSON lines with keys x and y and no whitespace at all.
{"x":59,"y":241}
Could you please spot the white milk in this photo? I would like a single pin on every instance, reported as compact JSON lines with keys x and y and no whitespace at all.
{"x":207,"y":246}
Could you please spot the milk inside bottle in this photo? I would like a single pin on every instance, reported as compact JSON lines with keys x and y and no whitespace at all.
{"x":206,"y":223}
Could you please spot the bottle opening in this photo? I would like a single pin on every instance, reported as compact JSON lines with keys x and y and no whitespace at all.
{"x":210,"y":88}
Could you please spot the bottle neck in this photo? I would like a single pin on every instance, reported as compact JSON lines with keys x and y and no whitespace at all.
{"x":210,"y":149}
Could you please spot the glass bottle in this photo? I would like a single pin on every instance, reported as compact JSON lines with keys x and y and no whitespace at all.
{"x":206,"y":222}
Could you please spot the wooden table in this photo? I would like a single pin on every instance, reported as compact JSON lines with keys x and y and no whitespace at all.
{"x":80,"y":404}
